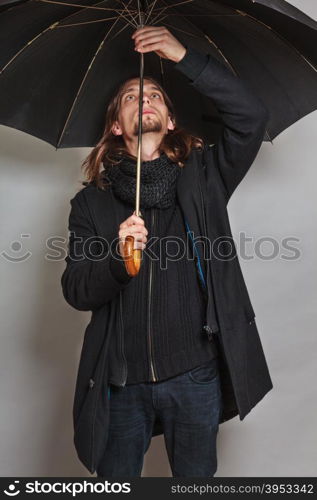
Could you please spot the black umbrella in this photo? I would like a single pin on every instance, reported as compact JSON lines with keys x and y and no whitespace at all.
{"x":62,"y":60}
{"x":60,"y":63}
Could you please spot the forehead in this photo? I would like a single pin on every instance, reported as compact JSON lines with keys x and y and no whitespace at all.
{"x":134,"y":84}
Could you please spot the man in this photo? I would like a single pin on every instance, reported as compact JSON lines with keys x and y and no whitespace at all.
{"x":175,"y":348}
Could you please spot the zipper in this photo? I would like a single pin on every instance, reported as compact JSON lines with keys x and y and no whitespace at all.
{"x":125,"y":368}
{"x":209,"y":331}
{"x":152,"y":371}
{"x":121,"y":330}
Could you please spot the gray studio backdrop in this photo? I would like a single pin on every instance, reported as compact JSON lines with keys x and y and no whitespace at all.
{"x":41,"y":335}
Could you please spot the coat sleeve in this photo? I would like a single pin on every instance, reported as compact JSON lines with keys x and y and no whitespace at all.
{"x":243,"y":114}
{"x":95,"y":271}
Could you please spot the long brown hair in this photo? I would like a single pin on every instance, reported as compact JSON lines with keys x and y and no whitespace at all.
{"x":176,"y":144}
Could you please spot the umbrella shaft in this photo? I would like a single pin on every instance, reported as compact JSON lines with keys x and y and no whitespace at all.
{"x":139,"y":153}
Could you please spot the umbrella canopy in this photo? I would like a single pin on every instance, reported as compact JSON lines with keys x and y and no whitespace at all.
{"x":5,"y":4}
{"x":61,"y":61}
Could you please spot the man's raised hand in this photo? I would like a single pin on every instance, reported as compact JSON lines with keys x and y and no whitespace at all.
{"x":159,"y":40}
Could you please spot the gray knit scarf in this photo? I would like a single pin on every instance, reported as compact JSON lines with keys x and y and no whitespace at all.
{"x":157,"y":184}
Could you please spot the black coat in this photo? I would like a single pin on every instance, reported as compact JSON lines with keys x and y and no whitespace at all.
{"x":204,"y":188}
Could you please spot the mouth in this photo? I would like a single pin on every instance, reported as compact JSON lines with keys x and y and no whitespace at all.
{"x":148,"y":112}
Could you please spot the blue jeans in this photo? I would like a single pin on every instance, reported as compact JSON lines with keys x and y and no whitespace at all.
{"x":189,"y":407}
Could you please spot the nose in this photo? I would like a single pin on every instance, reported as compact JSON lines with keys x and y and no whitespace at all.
{"x":146,"y":99}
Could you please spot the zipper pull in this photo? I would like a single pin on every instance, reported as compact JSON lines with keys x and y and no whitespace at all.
{"x":209,"y":332}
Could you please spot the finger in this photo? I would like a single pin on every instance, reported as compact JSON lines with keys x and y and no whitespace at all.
{"x":132,"y":230}
{"x":137,"y":237}
{"x":138,"y":245}
{"x":134,"y":219}
{"x":135,"y":234}
{"x":137,"y":220}
{"x":136,"y":228}
{"x":149,"y":34}
{"x":128,"y":225}
{"x":146,"y":29}
{"x":144,"y":41}
{"x":149,"y":48}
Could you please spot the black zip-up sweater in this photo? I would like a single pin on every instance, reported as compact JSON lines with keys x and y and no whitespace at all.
{"x":164,"y":305}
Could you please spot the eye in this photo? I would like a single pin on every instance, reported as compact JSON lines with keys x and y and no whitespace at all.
{"x":129,"y":95}
{"x":155,"y":93}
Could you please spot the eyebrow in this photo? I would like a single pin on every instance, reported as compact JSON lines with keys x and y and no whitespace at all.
{"x":134,"y":88}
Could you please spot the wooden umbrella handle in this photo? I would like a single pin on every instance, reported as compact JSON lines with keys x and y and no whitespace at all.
{"x":132,"y":256}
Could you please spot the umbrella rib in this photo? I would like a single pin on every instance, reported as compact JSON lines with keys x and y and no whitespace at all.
{"x":191,"y":15}
{"x":224,"y":57}
{"x":183,"y":31}
{"x":128,"y":12}
{"x":52,"y":26}
{"x":86,"y":22}
{"x":56,"y":2}
{"x":244,"y":14}
{"x":168,"y":7}
{"x":96,"y":21}
{"x":204,"y":15}
{"x":118,"y":33}
{"x":118,"y":11}
{"x":150,"y":12}
{"x":84,"y":78}
{"x":26,"y":45}
{"x":178,"y":29}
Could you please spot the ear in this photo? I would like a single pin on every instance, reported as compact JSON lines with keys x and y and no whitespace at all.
{"x":116,"y":129}
{"x":170,"y":124}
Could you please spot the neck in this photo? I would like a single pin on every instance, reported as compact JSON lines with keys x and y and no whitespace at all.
{"x":150,"y":146}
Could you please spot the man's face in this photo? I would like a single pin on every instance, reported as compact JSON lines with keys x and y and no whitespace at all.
{"x":155,"y":116}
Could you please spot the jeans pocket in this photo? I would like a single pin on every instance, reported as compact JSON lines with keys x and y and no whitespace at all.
{"x":206,"y":373}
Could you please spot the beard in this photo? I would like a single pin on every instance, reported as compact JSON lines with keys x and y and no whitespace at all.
{"x":148,"y":125}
